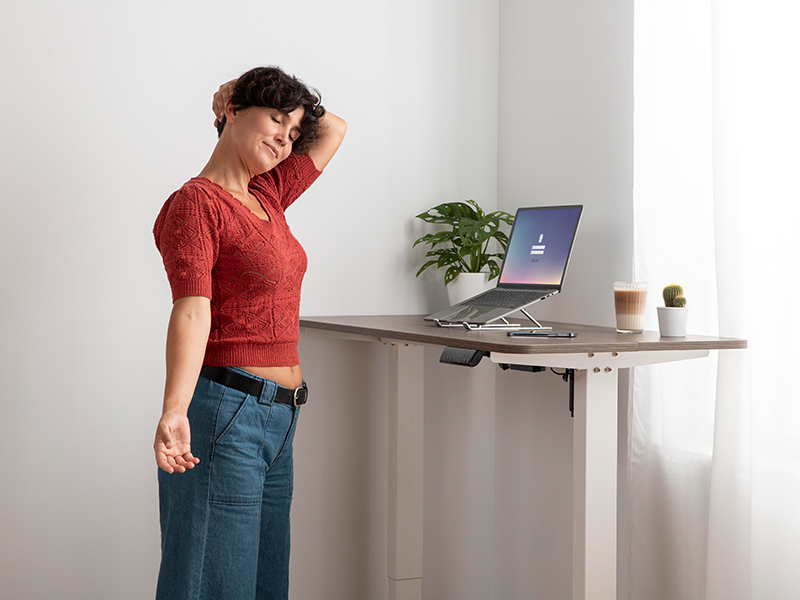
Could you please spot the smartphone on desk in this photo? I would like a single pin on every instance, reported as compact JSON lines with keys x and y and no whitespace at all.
{"x":543,"y":334}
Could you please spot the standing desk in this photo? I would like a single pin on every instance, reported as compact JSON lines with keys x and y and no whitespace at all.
{"x":596,"y":355}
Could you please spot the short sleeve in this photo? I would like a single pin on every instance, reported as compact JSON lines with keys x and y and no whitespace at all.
{"x":187,"y":236}
{"x":290,"y":178}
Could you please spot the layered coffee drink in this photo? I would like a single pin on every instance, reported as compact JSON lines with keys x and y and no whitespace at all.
{"x":629,"y":303}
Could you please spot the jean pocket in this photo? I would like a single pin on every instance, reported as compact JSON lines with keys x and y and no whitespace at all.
{"x":236,"y":467}
{"x":231,"y":405}
{"x":286,"y":434}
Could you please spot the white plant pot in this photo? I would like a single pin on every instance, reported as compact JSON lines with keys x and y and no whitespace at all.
{"x":672,"y":321}
{"x":467,"y":285}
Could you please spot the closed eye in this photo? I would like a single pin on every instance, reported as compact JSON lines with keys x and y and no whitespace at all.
{"x":292,"y":136}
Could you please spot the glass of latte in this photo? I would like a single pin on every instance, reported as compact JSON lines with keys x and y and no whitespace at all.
{"x":629,"y":302}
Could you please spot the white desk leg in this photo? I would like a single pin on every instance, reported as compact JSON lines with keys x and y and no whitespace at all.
{"x":406,"y":408}
{"x":594,"y":488}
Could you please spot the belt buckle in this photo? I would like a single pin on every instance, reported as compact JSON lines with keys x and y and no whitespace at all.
{"x":300,"y":396}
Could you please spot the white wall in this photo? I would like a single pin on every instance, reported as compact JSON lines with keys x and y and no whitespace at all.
{"x":106,"y":111}
{"x":566,"y":136}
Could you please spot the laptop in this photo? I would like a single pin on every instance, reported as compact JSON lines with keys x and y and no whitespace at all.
{"x":533,"y":269}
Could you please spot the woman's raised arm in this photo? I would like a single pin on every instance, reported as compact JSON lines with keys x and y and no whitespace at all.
{"x":332,"y":130}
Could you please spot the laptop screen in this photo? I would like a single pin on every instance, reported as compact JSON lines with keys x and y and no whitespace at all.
{"x":540,"y":245}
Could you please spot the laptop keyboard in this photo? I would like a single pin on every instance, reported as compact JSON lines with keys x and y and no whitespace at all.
{"x":498,"y":298}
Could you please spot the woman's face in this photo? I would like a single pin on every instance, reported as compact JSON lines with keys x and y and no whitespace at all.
{"x":263,"y":136}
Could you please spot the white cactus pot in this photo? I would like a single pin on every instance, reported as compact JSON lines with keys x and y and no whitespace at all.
{"x":672,"y":321}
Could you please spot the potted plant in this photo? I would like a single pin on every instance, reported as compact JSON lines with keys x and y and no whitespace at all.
{"x":673,"y":315}
{"x":463,"y":248}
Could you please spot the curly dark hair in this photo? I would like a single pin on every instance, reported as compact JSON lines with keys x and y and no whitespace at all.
{"x":271,"y":87}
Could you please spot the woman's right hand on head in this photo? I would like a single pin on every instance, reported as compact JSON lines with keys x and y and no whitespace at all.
{"x":173,"y":444}
{"x":220,"y":98}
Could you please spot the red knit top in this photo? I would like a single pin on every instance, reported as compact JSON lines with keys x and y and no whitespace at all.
{"x":251,"y":270}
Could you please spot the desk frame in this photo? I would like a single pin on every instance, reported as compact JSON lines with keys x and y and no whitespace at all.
{"x":594,"y":568}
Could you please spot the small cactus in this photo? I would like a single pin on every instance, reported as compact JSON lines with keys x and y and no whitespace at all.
{"x":673,"y":296}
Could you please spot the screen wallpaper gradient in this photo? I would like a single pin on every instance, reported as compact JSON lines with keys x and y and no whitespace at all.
{"x":540,"y":245}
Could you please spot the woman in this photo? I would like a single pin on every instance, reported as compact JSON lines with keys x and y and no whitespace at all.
{"x":233,"y":385}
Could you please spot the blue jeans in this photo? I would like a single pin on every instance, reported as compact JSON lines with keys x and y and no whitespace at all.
{"x":225,"y":523}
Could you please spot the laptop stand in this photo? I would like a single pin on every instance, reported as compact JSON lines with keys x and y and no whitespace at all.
{"x":504,"y":326}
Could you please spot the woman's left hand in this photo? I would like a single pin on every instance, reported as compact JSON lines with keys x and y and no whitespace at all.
{"x":220,"y":98}
{"x":173,"y":444}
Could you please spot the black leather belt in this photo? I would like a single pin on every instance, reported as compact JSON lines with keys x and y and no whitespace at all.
{"x":248,"y":385}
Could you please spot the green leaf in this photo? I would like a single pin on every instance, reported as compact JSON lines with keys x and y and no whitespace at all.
{"x":448,"y":213}
{"x":494,"y":270}
{"x":448,"y":259}
{"x":425,"y":239}
{"x":500,"y":215}
{"x":437,"y":254}
{"x":479,"y":214}
{"x":430,"y":263}
{"x":502,"y":239}
{"x":474,"y":233}
{"x":451,"y":274}
{"x":434,"y":239}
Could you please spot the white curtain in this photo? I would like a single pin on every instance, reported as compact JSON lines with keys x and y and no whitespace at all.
{"x":714,"y":459}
